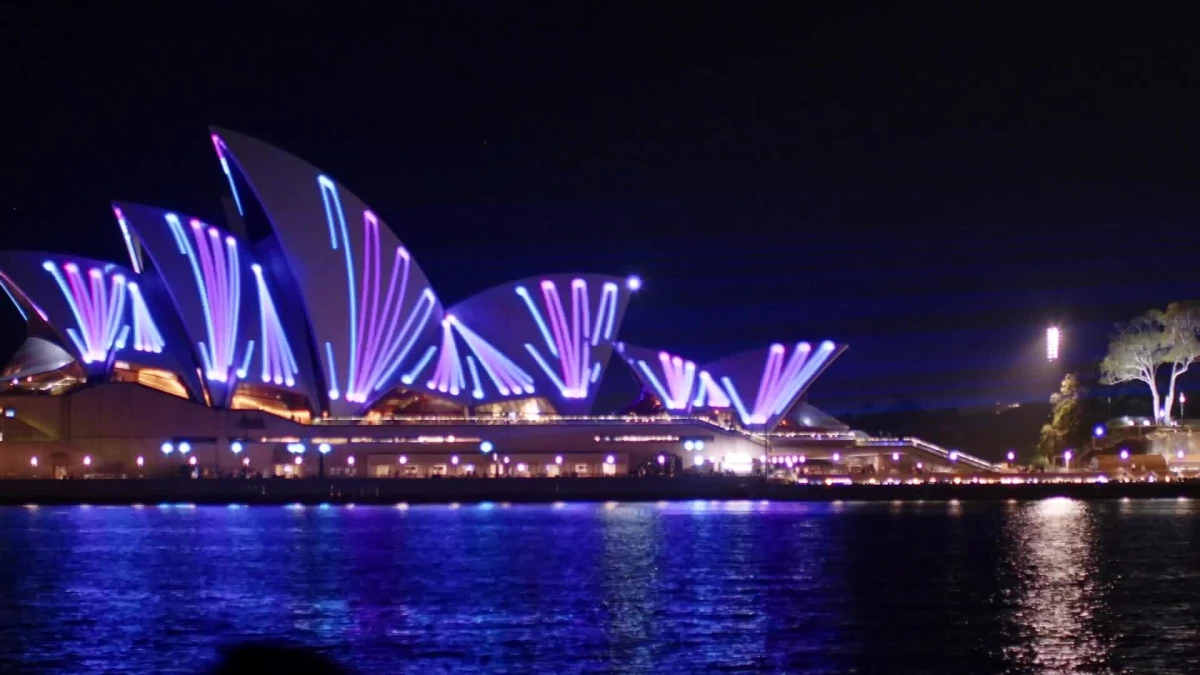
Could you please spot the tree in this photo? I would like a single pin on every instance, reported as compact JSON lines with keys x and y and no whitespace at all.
{"x":1152,"y":340}
{"x":1181,"y":323}
{"x":1065,"y":428}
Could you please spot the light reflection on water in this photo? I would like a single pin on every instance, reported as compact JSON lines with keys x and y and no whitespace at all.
{"x":1055,"y":586}
{"x":1060,"y":593}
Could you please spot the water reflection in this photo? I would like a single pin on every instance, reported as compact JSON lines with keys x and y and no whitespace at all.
{"x":1059,"y":594}
{"x":965,"y":589}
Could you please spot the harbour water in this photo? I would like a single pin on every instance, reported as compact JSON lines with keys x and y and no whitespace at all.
{"x":1046,"y":586}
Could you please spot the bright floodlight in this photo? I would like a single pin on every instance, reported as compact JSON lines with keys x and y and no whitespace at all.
{"x":185,"y":447}
{"x":324,"y":448}
{"x":236,"y":447}
{"x":634,"y":282}
{"x":167,"y":448}
{"x":485,"y":447}
{"x":1053,"y":337}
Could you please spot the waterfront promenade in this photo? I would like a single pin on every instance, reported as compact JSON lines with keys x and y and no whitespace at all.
{"x":541,"y":490}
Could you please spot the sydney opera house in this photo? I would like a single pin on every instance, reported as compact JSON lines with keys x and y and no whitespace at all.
{"x":301,"y":336}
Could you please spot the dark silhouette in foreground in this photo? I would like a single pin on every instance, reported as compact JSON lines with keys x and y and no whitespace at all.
{"x":262,"y":658}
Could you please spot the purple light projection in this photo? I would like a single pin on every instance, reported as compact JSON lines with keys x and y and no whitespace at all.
{"x":98,"y":305}
{"x":571,"y":342}
{"x":218,"y":275}
{"x":448,"y":373}
{"x":379,"y":342}
{"x":278,"y":361}
{"x":679,"y":378}
{"x":780,"y":385}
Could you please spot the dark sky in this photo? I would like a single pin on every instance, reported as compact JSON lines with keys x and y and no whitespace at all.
{"x":930,"y":187}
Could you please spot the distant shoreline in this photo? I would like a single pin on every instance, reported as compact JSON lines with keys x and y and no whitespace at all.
{"x":18,"y":492}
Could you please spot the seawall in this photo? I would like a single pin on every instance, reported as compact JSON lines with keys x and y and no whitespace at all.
{"x":537,"y":490}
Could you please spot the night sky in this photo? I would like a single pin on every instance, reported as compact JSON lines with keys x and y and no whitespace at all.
{"x":931,"y":188}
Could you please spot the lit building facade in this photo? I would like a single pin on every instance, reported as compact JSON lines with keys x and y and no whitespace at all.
{"x":317,"y":344}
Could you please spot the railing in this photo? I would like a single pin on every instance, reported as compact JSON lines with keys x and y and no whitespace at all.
{"x":532,"y":420}
{"x":949,"y":455}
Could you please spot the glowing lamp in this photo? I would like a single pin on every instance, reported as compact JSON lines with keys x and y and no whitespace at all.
{"x":837,"y":456}
{"x":699,"y":445}
{"x":1124,"y":453}
{"x":404,"y":459}
{"x":558,"y":459}
{"x":1012,"y":456}
{"x":454,"y":460}
{"x":895,"y":457}
{"x":33,"y":462}
{"x":699,"y":459}
{"x":245,"y":461}
{"x":295,"y":448}
{"x":185,"y":448}
{"x":299,"y":459}
{"x":689,"y":445}
{"x":141,"y":461}
{"x":610,"y":460}
{"x":1098,"y":432}
{"x":506,"y":459}
{"x":634,"y":283}
{"x":236,"y":447}
{"x":953,"y":455}
{"x":486,"y":447}
{"x":87,"y":460}
{"x":662,"y":459}
{"x":1053,"y":338}
{"x":324,"y":448}
{"x":350,"y":460}
{"x":1179,"y":454}
{"x":1067,"y":455}
{"x":192,"y":461}
{"x":167,"y":448}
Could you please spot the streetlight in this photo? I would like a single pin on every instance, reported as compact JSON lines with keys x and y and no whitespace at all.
{"x":322,"y":450}
{"x":1067,"y":459}
{"x":1012,"y":456}
{"x":1182,"y":400}
{"x":1053,"y":339}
